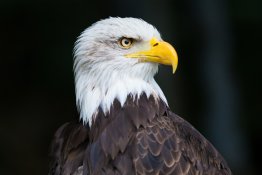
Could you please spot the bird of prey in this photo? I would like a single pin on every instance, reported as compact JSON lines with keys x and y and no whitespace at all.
{"x":126,"y":126}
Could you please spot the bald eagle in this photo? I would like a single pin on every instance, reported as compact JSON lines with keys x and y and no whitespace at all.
{"x":126,"y":126}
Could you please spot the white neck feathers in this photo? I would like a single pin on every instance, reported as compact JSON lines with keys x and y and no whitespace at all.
{"x":100,"y":91}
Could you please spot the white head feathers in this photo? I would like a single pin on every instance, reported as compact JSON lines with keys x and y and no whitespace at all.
{"x":103,"y":74}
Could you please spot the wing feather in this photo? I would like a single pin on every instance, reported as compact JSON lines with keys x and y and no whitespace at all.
{"x":67,"y":149}
{"x":170,"y":145}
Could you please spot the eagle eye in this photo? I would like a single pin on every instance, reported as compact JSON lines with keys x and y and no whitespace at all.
{"x":125,"y":43}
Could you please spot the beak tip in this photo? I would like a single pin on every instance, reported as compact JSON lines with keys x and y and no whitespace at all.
{"x":174,"y":67}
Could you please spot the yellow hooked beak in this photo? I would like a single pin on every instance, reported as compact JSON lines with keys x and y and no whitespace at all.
{"x":160,"y":52}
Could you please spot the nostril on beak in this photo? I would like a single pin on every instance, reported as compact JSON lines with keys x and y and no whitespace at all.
{"x":155,"y":44}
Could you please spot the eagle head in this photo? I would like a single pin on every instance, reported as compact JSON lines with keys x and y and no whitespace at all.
{"x":117,"y":57}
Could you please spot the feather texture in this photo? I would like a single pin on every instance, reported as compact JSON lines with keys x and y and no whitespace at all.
{"x":143,"y":137}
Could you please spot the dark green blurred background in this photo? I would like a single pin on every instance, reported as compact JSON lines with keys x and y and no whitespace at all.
{"x":217,"y":86}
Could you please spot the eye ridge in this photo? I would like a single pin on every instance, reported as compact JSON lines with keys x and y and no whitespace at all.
{"x":125,"y":42}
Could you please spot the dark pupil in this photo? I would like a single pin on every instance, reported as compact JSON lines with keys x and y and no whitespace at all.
{"x":126,"y":42}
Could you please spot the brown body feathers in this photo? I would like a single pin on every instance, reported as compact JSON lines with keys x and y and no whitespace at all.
{"x":141,"y":138}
